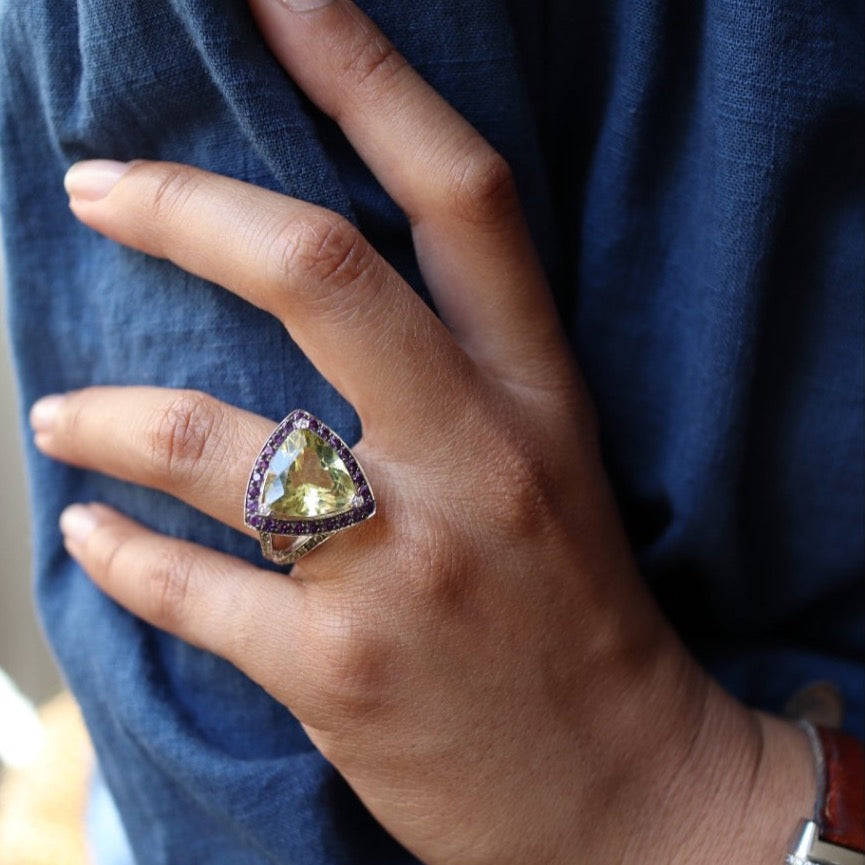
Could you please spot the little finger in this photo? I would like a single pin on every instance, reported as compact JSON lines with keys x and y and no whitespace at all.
{"x":250,"y":617}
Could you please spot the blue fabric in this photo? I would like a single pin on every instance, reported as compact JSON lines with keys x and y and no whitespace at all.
{"x":692,"y":172}
{"x":107,"y":841}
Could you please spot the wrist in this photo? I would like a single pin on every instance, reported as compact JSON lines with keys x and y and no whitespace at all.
{"x":704,"y":779}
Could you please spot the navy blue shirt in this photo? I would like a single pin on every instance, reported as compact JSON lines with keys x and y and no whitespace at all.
{"x":692,"y":174}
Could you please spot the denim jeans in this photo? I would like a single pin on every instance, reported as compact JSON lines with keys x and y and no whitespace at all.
{"x":692,"y":175}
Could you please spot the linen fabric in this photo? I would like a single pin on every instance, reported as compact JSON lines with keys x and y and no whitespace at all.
{"x":692,"y":174}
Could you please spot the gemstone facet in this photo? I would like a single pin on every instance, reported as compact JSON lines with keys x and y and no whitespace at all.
{"x":306,"y":477}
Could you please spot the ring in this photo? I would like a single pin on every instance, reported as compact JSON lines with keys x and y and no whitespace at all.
{"x":305,"y":487}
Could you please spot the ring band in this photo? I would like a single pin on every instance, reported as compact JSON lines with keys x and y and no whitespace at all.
{"x":305,"y":486}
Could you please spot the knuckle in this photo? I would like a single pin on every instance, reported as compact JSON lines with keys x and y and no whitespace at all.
{"x":528,"y":503}
{"x":324,"y":257}
{"x":371,"y":59}
{"x":353,"y":666}
{"x":482,"y":188}
{"x":439,"y":568}
{"x":182,"y":434}
{"x":329,"y":248}
{"x":167,"y":588}
{"x":173,"y":185}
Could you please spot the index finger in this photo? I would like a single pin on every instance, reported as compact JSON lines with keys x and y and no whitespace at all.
{"x":471,"y":238}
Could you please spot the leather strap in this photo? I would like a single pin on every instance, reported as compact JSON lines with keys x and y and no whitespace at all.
{"x":842,"y":815}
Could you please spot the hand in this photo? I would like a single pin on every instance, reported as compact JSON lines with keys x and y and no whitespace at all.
{"x":481,"y":660}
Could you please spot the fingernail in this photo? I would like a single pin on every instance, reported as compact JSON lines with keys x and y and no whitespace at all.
{"x":94,"y":178}
{"x":44,"y":412}
{"x":305,"y":5}
{"x":77,"y":522}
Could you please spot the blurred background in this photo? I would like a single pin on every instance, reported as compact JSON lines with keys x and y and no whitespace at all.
{"x":23,"y":652}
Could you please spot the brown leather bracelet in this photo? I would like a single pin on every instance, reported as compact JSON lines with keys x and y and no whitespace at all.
{"x":842,"y":812}
{"x":836,"y":834}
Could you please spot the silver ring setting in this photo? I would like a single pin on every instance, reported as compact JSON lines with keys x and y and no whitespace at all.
{"x":305,"y":487}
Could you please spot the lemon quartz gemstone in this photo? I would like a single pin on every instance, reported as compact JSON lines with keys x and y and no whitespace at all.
{"x":306,"y":478}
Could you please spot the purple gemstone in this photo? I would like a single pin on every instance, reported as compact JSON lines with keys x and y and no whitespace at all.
{"x":314,"y":425}
{"x":255,"y":521}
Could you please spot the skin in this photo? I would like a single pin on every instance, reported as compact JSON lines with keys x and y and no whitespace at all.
{"x":495,"y":692}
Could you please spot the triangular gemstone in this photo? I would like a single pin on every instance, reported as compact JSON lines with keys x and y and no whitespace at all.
{"x":306,"y":478}
{"x":305,"y":483}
